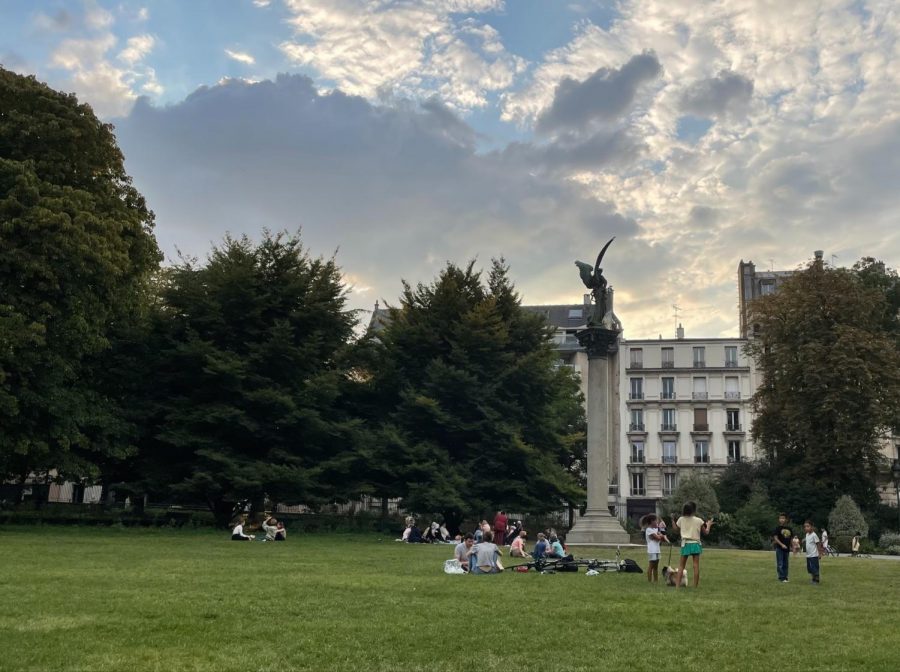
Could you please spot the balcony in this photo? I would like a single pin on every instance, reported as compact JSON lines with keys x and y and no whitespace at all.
{"x":637,"y":458}
{"x":733,"y":427}
{"x":668,"y":365}
{"x":632,"y":396}
{"x":668,"y":492}
{"x":666,"y":395}
{"x":700,"y":364}
{"x":701,"y":459}
{"x":701,"y":427}
{"x":732,"y":395}
{"x":638,"y":492}
{"x":666,"y":427}
{"x":700,"y":395}
{"x":636,"y":365}
{"x":636,"y":427}
{"x":730,"y":364}
{"x":670,"y":459}
{"x":734,"y":459}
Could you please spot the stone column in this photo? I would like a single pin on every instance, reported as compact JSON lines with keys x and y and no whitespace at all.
{"x":597,"y":526}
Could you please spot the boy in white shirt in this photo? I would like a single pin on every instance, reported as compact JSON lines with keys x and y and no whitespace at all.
{"x":814,"y":550}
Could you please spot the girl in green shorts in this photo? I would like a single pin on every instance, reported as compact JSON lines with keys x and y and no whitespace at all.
{"x":691,"y":528}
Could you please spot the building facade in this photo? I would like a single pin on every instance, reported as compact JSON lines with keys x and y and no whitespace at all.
{"x":685,"y":409}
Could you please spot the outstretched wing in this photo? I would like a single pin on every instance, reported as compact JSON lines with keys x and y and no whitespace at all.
{"x":585,"y":271}
{"x":602,"y":252}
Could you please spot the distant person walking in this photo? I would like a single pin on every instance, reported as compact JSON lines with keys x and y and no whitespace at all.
{"x":781,"y":542}
{"x":815,"y":549}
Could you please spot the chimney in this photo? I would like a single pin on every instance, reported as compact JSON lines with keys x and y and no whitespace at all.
{"x":818,"y":254}
{"x":679,"y":333}
{"x":587,"y":299}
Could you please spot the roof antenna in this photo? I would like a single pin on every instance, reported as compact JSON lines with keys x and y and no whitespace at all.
{"x":676,"y":308}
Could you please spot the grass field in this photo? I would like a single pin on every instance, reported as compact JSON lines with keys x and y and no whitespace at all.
{"x":127,"y":600}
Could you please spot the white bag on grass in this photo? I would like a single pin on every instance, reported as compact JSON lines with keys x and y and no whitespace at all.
{"x":452,"y":566}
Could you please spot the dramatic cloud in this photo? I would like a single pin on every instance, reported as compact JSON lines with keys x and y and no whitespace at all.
{"x":727,"y":93}
{"x":398,"y":190}
{"x":605,"y":95}
{"x":403,"y":48}
{"x":240,"y":57}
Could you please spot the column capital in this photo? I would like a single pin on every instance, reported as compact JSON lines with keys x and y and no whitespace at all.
{"x":598,"y":341}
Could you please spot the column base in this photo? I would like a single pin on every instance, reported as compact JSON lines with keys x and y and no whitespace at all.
{"x":596,"y":528}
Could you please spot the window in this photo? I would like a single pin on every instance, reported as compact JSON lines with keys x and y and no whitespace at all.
{"x":731,"y":355}
{"x":670,"y":483}
{"x":701,"y":424}
{"x":733,"y":419}
{"x":637,"y":452}
{"x":767,"y":288}
{"x":668,"y":420}
{"x":637,"y":484}
{"x":637,"y":358}
{"x":701,"y":452}
{"x":669,"y":452}
{"x":734,"y":451}
{"x":732,"y":387}
{"x":637,"y":420}
{"x":614,"y":484}
{"x":668,"y":388}
{"x":637,"y":388}
{"x":700,"y":389}
{"x":668,"y":358}
{"x":576,"y":313}
{"x":699,"y":357}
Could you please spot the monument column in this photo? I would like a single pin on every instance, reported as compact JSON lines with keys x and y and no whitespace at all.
{"x":597,"y":526}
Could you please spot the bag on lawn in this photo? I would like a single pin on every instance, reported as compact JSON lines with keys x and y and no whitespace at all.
{"x":452,"y":566}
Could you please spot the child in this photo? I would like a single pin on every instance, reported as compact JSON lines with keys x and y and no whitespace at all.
{"x":691,"y":528}
{"x":781,"y":542}
{"x":653,"y":535}
{"x":541,"y":547}
{"x":814,"y":551}
{"x":795,"y":545}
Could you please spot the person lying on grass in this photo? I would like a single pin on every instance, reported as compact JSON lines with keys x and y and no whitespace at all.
{"x":485,"y":557}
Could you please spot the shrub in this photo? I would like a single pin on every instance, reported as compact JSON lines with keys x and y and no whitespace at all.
{"x":694,"y":488}
{"x":889,"y":543}
{"x":844,"y":521}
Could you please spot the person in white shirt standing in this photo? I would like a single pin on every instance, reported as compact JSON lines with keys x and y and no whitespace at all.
{"x":814,"y":550}
{"x":653,"y":535}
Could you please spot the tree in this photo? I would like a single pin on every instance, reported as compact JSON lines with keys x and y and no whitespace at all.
{"x":248,"y":371}
{"x":698,"y":489}
{"x":831,"y":385}
{"x":76,"y":254}
{"x":845,"y":521}
{"x":478,"y":415}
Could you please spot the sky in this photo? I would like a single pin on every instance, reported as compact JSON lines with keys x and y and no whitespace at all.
{"x":402,"y":134}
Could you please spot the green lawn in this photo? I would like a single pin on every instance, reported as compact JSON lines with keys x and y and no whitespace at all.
{"x":127,"y":600}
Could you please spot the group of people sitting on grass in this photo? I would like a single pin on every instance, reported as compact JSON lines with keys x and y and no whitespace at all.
{"x":479,"y":554}
{"x":436,"y":533}
{"x":272,"y":528}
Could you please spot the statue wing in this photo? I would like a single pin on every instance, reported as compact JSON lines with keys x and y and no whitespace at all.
{"x":585,"y":271}
{"x":602,"y":252}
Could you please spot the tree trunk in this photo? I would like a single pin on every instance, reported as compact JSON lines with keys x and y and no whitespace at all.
{"x":453,"y":519}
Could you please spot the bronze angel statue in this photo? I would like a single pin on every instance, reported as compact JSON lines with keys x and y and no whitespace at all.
{"x":592,"y":277}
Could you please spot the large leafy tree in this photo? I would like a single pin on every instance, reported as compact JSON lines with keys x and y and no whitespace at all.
{"x":830,"y":385}
{"x":475,"y":414}
{"x":76,"y":253}
{"x":247,"y":376}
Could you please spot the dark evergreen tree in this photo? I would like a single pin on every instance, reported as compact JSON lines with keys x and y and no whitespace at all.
{"x":248,"y":372}
{"x":76,"y":253}
{"x":475,"y":413}
{"x":830,"y":387}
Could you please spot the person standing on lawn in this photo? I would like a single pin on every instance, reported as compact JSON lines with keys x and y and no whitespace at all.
{"x":691,"y":528}
{"x":500,"y":521}
{"x":814,"y":550}
{"x":781,"y":541}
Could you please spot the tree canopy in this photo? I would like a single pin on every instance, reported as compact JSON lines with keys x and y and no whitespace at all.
{"x":476,"y":414}
{"x":830,"y":384}
{"x":76,"y":254}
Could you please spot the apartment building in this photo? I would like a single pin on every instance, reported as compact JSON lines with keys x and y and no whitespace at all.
{"x":685,"y":408}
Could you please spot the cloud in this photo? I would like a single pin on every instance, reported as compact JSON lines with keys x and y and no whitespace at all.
{"x":143,"y":14}
{"x":240,"y":57}
{"x":398,"y":189}
{"x":727,"y":93}
{"x":97,"y":18}
{"x":60,"y":21}
{"x":409,"y":49}
{"x":262,"y":3}
{"x":137,"y":48}
{"x":604,"y":96}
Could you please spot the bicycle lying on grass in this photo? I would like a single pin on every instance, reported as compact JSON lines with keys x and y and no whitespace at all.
{"x":571,"y":564}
